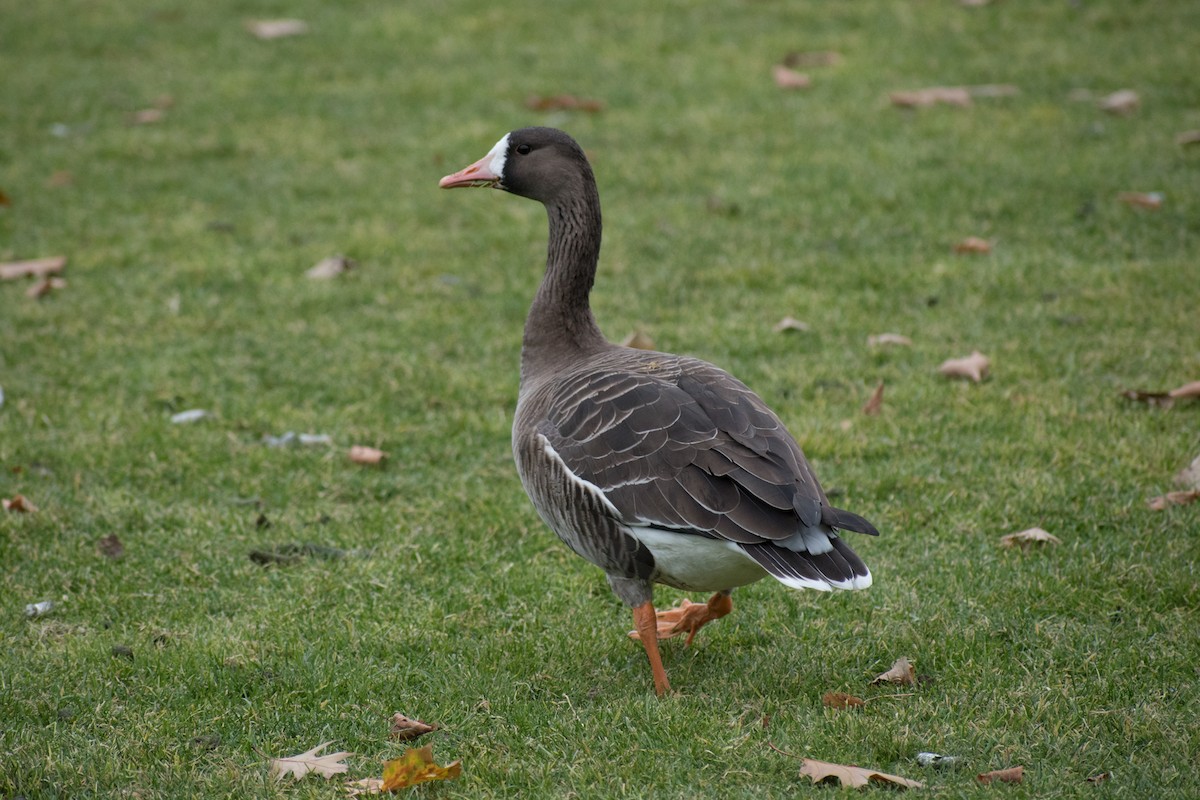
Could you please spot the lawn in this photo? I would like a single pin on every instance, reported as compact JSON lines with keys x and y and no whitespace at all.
{"x":427,"y":584}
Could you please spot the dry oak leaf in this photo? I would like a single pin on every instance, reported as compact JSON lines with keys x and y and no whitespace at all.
{"x":789,"y":324}
{"x":1170,"y":499}
{"x":1149,"y":200}
{"x":309,"y":761}
{"x":1187,"y":390}
{"x":276,"y":28}
{"x":417,"y":766}
{"x":331,"y":267}
{"x":361,"y":454}
{"x":1121,"y":103}
{"x":1010,"y":775}
{"x":973,"y":244}
{"x":34,"y":268}
{"x":901,"y":672}
{"x":1028,"y":538}
{"x":854,"y":777}
{"x":788,"y":78}
{"x":974,"y":366}
{"x":405,"y":728}
{"x":20,"y":504}
{"x":638,"y":340}
{"x":878,"y":339}
{"x":840,"y":700}
{"x":875,"y":402}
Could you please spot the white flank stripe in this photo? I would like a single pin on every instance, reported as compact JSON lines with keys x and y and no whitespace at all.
{"x":587,"y":486}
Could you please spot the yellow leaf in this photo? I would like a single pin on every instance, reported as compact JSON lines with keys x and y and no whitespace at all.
{"x":416,"y":766}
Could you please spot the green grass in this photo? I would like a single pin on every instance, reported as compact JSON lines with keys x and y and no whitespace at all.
{"x":728,"y":204}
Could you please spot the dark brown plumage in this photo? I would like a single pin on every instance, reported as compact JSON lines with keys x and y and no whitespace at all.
{"x":656,"y":468}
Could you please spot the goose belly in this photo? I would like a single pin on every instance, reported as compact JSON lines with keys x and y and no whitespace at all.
{"x":696,"y":563}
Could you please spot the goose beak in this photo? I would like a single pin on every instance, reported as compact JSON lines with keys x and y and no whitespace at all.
{"x":478,"y":174}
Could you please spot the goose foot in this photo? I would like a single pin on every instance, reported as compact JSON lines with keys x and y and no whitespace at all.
{"x":688,"y":617}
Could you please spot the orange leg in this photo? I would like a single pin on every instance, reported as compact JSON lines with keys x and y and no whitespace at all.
{"x":646,"y":623}
{"x":688,"y":617}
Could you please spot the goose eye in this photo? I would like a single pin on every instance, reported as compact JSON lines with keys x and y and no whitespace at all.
{"x":523,"y":149}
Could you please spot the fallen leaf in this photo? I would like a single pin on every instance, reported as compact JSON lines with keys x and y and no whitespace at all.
{"x":1150,"y":200}
{"x":1173,"y":499}
{"x":1159,"y":399}
{"x":901,"y":672}
{"x":638,"y":340}
{"x":1028,"y":538}
{"x":34,"y":268}
{"x":816,"y":58}
{"x":789,"y":324}
{"x":974,"y":366}
{"x":1186,"y":138}
{"x":111,"y":546}
{"x":416,"y":766}
{"x":1121,"y":103}
{"x":1099,"y":778}
{"x":1010,"y":775}
{"x":331,"y":267}
{"x":923,"y":98}
{"x":562,"y":102}
{"x":404,"y":728}
{"x":854,"y":777}
{"x":841,"y":700}
{"x":875,"y":403}
{"x":45,"y":286}
{"x":365,"y":786}
{"x":361,"y":454}
{"x":1187,"y":390}
{"x":309,"y":761}
{"x":19,"y":504}
{"x":788,"y":78}
{"x":879,"y":339}
{"x":1189,"y":476}
{"x":276,"y":28}
{"x":973,"y":244}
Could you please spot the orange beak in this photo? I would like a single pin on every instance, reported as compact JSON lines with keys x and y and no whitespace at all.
{"x":477,"y":174}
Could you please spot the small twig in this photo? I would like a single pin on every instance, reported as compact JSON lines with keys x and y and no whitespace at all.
{"x":771,"y":745}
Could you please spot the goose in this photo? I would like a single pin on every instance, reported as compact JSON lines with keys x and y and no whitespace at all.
{"x":657,"y":468}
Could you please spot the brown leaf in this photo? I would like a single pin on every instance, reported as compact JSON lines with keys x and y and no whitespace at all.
{"x":1160,"y":399}
{"x":1099,"y":778}
{"x":1187,"y":390}
{"x":923,"y":98}
{"x":19,"y":504}
{"x":1150,"y":200}
{"x":331,"y":267}
{"x":5,"y":200}
{"x":816,"y":58}
{"x":1010,"y":775}
{"x":788,"y":78}
{"x":1028,"y":538}
{"x":973,"y":244}
{"x":841,"y":700}
{"x":1122,"y":103}
{"x":276,"y":28}
{"x":901,"y":672}
{"x":878,"y":339}
{"x":416,"y":766}
{"x":1185,"y":138}
{"x":111,"y":546}
{"x":45,"y":286}
{"x":405,"y":728}
{"x":562,"y":102}
{"x":854,"y":777}
{"x":309,"y":761}
{"x":789,"y":324}
{"x":639,"y":340}
{"x":35,"y":268}
{"x":974,"y":366}
{"x":1173,"y":499}
{"x":875,"y":403}
{"x":361,"y":454}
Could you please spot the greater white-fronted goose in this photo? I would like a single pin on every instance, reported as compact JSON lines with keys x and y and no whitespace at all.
{"x":654,"y":467}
